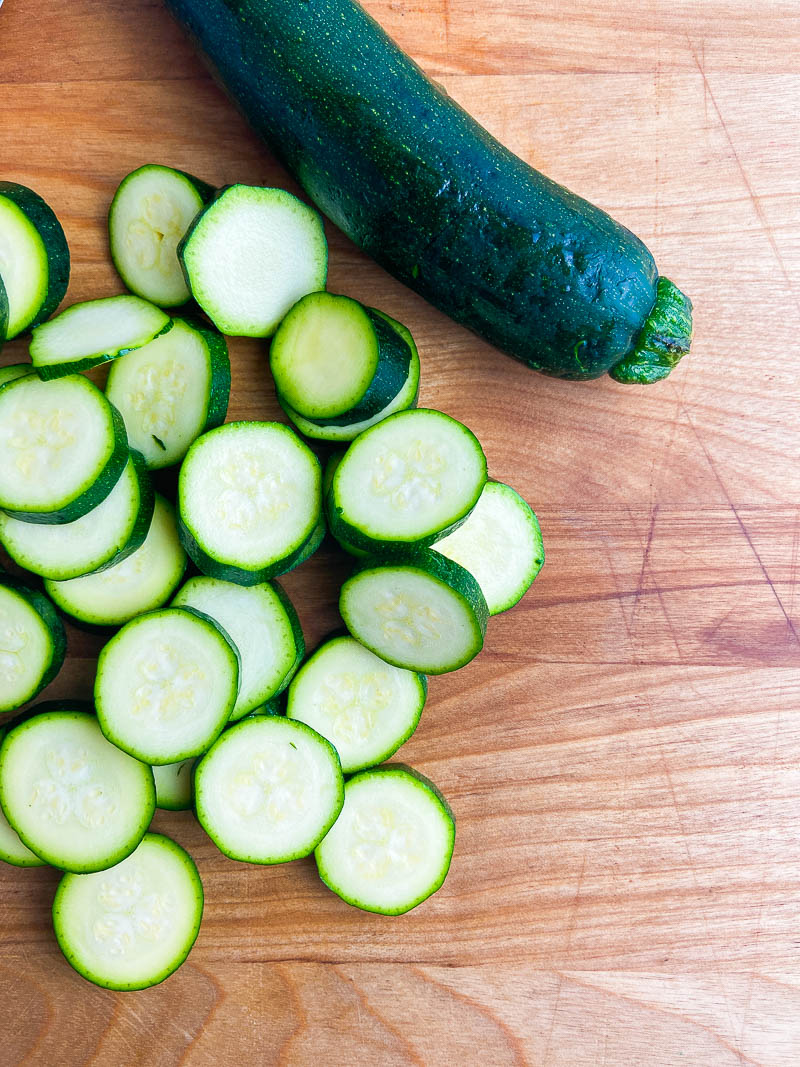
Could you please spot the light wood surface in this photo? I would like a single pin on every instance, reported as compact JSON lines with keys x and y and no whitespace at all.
{"x":624,"y":757}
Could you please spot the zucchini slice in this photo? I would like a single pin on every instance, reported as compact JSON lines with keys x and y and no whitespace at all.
{"x":365,"y":707}
{"x":34,"y":258}
{"x":391,"y":847}
{"x":64,"y":448}
{"x":500,"y":544}
{"x":406,"y":482}
{"x":171,"y":391}
{"x":150,"y":213}
{"x":422,"y":611}
{"x":73,"y":798}
{"x":249,"y":499}
{"x":336,"y":361}
{"x":166,"y":685}
{"x":269,"y":790}
{"x":175,"y":784}
{"x":32,"y":643}
{"x":132,"y":926}
{"x":405,"y":398}
{"x":105,"y":536}
{"x":262,"y":623}
{"x":94,"y":332}
{"x":12,"y":849}
{"x":250,"y":255}
{"x":142,"y":582}
{"x":13,"y":371}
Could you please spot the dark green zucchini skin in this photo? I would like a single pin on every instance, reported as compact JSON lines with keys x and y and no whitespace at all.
{"x":3,"y":313}
{"x":429,"y":194}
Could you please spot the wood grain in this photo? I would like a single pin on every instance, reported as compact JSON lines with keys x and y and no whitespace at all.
{"x":624,"y":757}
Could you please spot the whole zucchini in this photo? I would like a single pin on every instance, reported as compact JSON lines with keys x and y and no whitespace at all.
{"x":428,"y":193}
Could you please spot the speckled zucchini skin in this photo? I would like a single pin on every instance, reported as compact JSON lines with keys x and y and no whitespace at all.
{"x":427,"y":192}
{"x":3,"y":313}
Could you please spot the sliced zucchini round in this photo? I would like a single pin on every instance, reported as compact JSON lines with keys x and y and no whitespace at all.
{"x":32,"y":643}
{"x":406,"y":482}
{"x":250,"y":255}
{"x":94,"y":332}
{"x":150,"y":213}
{"x":12,"y":849}
{"x":34,"y":258}
{"x":73,"y":798}
{"x":142,"y":582}
{"x":391,"y":847}
{"x":166,"y":685}
{"x":104,"y":536}
{"x":269,"y":790}
{"x":421,"y":611}
{"x":132,"y":926}
{"x":262,"y":622}
{"x":174,"y":784}
{"x":405,"y":398}
{"x":171,"y":391}
{"x":500,"y":544}
{"x":64,"y":448}
{"x":334,"y":360}
{"x":249,"y":499}
{"x":365,"y":707}
{"x":13,"y":371}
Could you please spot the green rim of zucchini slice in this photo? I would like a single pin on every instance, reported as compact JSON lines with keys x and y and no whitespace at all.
{"x":3,"y":320}
{"x":94,"y":332}
{"x":250,"y":255}
{"x":103,"y":537}
{"x":420,"y":611}
{"x":12,"y":371}
{"x":171,"y":391}
{"x":34,"y":258}
{"x":75,"y":800}
{"x":391,"y":847}
{"x":364,"y":706}
{"x":152,"y":209}
{"x":249,"y":499}
{"x":268,"y":790}
{"x":166,"y":685}
{"x":500,"y":544}
{"x":132,"y":926}
{"x":12,"y":850}
{"x":33,"y":643}
{"x":64,"y":445}
{"x":262,"y":623}
{"x":142,"y":582}
{"x":406,"y":482}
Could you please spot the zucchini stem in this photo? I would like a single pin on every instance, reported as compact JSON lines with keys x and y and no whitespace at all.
{"x":664,"y":339}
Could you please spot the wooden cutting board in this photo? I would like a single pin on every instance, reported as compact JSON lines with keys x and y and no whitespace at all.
{"x":624,"y":757}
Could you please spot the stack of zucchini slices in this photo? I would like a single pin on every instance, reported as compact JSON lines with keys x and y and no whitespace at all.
{"x":203,"y":696}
